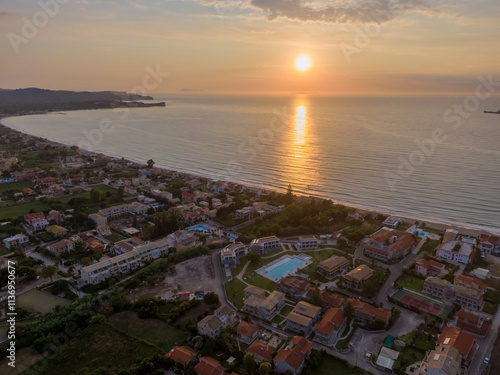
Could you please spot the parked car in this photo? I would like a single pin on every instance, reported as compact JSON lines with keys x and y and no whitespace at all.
{"x":487,"y":360}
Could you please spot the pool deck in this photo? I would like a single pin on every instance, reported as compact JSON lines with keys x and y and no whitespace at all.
{"x":262,"y":271}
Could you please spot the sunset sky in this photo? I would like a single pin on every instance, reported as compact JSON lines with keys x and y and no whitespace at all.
{"x":249,"y":46}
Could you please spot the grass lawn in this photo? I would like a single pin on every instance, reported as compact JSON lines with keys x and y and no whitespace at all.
{"x":410,"y":355}
{"x":193,"y":313}
{"x":40,"y":302}
{"x":287,"y":309}
{"x":153,"y":331}
{"x":492,"y":297}
{"x":99,"y":347}
{"x":115,"y":237}
{"x":235,"y":292}
{"x":331,"y":365}
{"x":490,"y":308}
{"x":15,"y":186}
{"x":278,"y":319}
{"x":410,"y":282}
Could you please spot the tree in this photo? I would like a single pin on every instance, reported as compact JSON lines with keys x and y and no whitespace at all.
{"x":97,"y":195}
{"x":254,"y":258}
{"x":316,"y":297}
{"x":49,"y":271}
{"x":120,"y":302}
{"x":349,"y":311}
{"x":289,"y":195}
{"x":150,"y":163}
{"x":120,"y":191}
{"x":265,"y":368}
{"x":249,"y":364}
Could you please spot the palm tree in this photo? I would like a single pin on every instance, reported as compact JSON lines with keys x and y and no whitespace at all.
{"x":150,"y":163}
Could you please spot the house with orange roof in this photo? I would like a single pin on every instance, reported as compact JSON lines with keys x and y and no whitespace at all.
{"x":292,"y":358}
{"x":327,"y":300}
{"x":490,"y":244}
{"x":430,"y":268}
{"x":470,"y":282}
{"x":261,"y":351}
{"x":388,"y":244}
{"x":474,"y":323}
{"x":182,"y":355}
{"x":464,"y":342}
{"x":330,"y":327}
{"x":293,"y":287}
{"x":209,"y":366}
{"x":366,"y":313}
{"x":247,"y":332}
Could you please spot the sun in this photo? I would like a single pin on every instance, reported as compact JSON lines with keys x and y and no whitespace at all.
{"x":303,"y":63}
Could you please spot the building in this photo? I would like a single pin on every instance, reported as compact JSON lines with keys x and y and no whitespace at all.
{"x":326,"y":300}
{"x":244,"y":213}
{"x":182,"y":355}
{"x":36,"y":221}
{"x":228,"y":316}
{"x":330,"y":327}
{"x":210,"y":326}
{"x":468,"y":321}
{"x":389,"y":244}
{"x":16,"y":241}
{"x":132,"y":260}
{"x":470,"y":282}
{"x":251,"y":290}
{"x":56,"y":230}
{"x":480,"y":273}
{"x":355,"y":278}
{"x":365,"y":313}
{"x":261,"y":351}
{"x":292,"y":358}
{"x":264,"y":245}
{"x":247,"y":332}
{"x":232,"y":253}
{"x":464,"y":342}
{"x":307,"y":243}
{"x":98,"y":219}
{"x":444,"y":360}
{"x":392,"y":222}
{"x":264,"y":307}
{"x":293,"y":287}
{"x":456,"y":251}
{"x":61,"y":246}
{"x":435,"y":287}
{"x":209,"y":366}
{"x":430,"y":268}
{"x":114,"y":211}
{"x":332,"y":267}
{"x":450,"y":235}
{"x":303,"y":318}
{"x":468,"y":298}
{"x":490,"y":244}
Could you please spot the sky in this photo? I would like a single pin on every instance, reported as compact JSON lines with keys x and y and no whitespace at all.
{"x":249,"y":46}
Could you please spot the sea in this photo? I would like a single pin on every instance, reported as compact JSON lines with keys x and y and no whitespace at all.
{"x":433,"y":158}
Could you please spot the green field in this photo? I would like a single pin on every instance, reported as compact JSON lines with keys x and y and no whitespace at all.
{"x":331,"y":365}
{"x":99,"y":349}
{"x":410,"y":282}
{"x":15,"y":186}
{"x":40,"y":302}
{"x":235,"y":292}
{"x":153,"y":331}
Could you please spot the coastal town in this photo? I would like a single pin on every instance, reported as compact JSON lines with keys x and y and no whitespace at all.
{"x":165,"y":272}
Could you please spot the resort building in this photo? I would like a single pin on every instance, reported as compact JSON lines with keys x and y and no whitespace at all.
{"x":430,"y":268}
{"x":445,"y":360}
{"x":307,"y":243}
{"x":330,"y":327}
{"x":435,"y":287}
{"x":388,"y":244}
{"x":263,"y":307}
{"x":468,"y":298}
{"x":293,"y":287}
{"x":470,"y":282}
{"x":209,"y":366}
{"x":182,"y":355}
{"x":245,"y":213}
{"x":332,"y":267}
{"x":464,"y":342}
{"x":246,"y":332}
{"x":490,"y":244}
{"x":293,"y":357}
{"x":264,"y":245}
{"x":232,"y":253}
{"x":392,"y":222}
{"x":456,"y":251}
{"x":98,"y":272}
{"x":16,"y":241}
{"x":261,"y":352}
{"x":468,"y":321}
{"x":303,"y":318}
{"x":124,"y":246}
{"x":326,"y":299}
{"x":366,"y":313}
{"x":355,"y":278}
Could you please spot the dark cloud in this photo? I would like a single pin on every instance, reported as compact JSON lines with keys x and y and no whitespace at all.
{"x":340,"y":11}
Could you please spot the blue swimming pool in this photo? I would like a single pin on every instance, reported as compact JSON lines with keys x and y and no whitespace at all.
{"x":284,"y":267}
{"x":420,"y":233}
{"x":469,"y":240}
{"x":201,"y":228}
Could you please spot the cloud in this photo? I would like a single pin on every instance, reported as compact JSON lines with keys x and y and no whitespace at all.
{"x":339,"y":11}
{"x":328,"y":11}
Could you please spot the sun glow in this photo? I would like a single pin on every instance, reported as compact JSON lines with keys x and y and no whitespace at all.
{"x":303,"y":63}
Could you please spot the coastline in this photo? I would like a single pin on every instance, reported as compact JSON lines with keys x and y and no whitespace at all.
{"x":431,"y":222}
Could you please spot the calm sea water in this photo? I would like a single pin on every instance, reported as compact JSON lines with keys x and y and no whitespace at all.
{"x":358,"y":150}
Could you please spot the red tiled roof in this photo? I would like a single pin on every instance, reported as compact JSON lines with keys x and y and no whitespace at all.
{"x":333,"y":317}
{"x":490,"y":238}
{"x":292,"y":283}
{"x":327,"y":299}
{"x":460,"y":340}
{"x":472,"y":281}
{"x":369,"y":311}
{"x":181,"y":354}
{"x":209,"y":366}
{"x":403,"y":242}
{"x":246,"y":329}
{"x":295,"y":353}
{"x":261,"y":349}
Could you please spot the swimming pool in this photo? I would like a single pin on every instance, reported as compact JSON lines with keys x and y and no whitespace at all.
{"x":469,"y":240}
{"x":284,"y":267}
{"x":421,"y":233}
{"x":201,"y":228}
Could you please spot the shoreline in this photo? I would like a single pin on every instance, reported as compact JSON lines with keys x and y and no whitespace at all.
{"x":441,"y":224}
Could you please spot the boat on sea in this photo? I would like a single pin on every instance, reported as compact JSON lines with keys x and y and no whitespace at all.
{"x":495,"y":113}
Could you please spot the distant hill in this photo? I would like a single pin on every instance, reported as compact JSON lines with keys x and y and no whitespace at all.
{"x":40,"y":99}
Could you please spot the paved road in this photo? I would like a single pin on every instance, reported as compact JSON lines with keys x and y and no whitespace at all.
{"x":485,"y":346}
